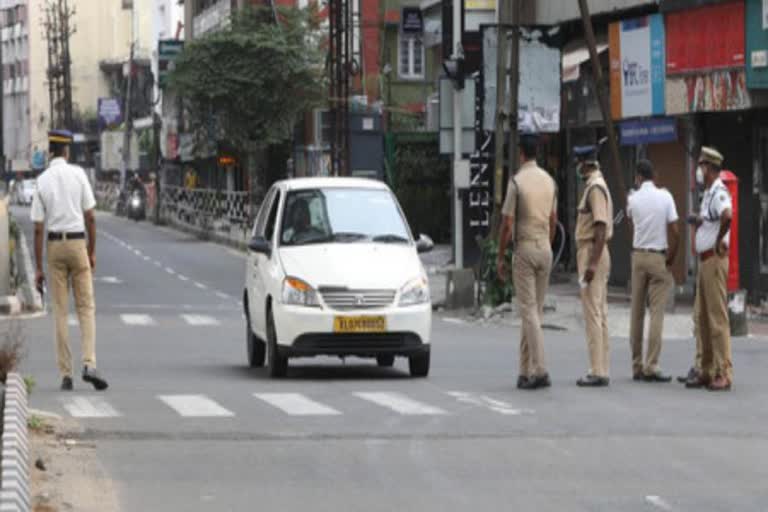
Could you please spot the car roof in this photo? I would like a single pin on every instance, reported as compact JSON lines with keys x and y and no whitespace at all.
{"x":335,"y":182}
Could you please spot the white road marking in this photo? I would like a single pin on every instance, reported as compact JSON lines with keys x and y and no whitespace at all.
{"x":88,"y":407}
{"x":201,"y":286}
{"x":158,"y":264}
{"x":170,"y":270}
{"x":489,"y":403}
{"x":200,"y":320}
{"x":183,"y":278}
{"x":400,"y":403}
{"x":195,"y":406}
{"x":109,"y":280}
{"x":296,"y":404}
{"x":142,"y":320}
{"x":147,"y":258}
{"x":222,"y":295}
{"x":137,"y":252}
{"x":659,"y":503}
{"x":72,"y":321}
{"x":451,"y":320}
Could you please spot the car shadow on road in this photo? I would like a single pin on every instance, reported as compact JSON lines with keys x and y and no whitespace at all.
{"x":320,"y":372}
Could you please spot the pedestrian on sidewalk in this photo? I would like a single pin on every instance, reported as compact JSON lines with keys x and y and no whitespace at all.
{"x":713,"y":333}
{"x":64,"y":204}
{"x":530,"y":219}
{"x":653,"y":217}
{"x":594,"y":229}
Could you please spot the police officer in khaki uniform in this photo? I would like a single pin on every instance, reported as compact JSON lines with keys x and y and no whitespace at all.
{"x":594,"y":229}
{"x":64,"y":205}
{"x":713,"y":226}
{"x":530,"y":219}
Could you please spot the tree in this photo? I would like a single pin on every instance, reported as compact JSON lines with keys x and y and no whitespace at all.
{"x":249,"y":83}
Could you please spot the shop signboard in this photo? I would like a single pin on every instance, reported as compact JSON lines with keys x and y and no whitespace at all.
{"x":637,"y":67}
{"x":757,"y":44}
{"x":648,"y":131}
{"x":411,"y":21}
{"x":706,"y":38}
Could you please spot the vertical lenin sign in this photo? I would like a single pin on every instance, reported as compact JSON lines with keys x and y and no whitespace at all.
{"x":638,"y":69}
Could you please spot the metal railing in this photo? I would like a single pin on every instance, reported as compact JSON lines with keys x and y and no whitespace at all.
{"x":203,"y":207}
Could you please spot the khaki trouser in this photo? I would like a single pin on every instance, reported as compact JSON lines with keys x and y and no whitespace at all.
{"x":711,"y":310}
{"x":68,"y":259}
{"x":651,"y":280}
{"x":594,"y":301}
{"x":530,"y":272}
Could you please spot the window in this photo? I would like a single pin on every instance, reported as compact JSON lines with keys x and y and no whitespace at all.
{"x":411,"y":57}
{"x":323,"y":128}
{"x":258,"y":227}
{"x":269,"y":230}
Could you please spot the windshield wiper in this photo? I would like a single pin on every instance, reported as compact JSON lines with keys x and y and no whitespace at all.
{"x":390,"y":239}
{"x":344,"y":236}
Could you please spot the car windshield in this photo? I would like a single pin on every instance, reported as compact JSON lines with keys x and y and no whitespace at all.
{"x":342,"y":215}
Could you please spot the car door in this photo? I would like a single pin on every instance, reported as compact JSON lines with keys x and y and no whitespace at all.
{"x":250,"y":266}
{"x":261,"y":264}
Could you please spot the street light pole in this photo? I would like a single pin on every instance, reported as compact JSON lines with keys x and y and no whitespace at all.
{"x":129,"y":91}
{"x":457,"y":125}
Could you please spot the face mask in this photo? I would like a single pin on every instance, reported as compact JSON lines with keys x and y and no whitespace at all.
{"x":699,"y":176}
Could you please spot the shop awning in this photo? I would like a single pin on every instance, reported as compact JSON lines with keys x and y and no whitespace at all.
{"x":573,"y":60}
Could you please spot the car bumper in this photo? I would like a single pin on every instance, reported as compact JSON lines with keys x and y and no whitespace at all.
{"x":308,"y":332}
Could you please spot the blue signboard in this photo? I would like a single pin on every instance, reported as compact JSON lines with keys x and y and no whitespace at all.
{"x":648,"y":131}
{"x":38,"y":160}
{"x":110,"y":112}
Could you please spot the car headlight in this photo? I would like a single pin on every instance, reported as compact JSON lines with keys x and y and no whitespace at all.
{"x":298,"y":293}
{"x":415,"y":292}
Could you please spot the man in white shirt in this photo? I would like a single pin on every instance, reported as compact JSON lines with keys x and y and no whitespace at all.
{"x":713,"y":229}
{"x":64,"y":202}
{"x":654,"y":219}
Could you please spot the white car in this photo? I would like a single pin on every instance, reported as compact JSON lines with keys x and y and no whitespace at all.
{"x":333,"y":270}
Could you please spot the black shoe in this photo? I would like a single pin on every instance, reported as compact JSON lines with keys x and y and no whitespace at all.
{"x":657,"y":376}
{"x":522,"y":382}
{"x":693,"y":373}
{"x":638,"y":376}
{"x":542,"y":381}
{"x":593,"y":381}
{"x":92,"y":376}
{"x":66,"y":384}
{"x":697,"y":382}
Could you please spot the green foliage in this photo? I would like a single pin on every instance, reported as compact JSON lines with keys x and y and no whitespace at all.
{"x":250,"y":82}
{"x":29,"y":383}
{"x":494,"y":290}
{"x":35,"y":423}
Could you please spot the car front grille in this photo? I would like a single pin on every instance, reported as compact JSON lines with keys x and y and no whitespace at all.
{"x":357,"y":299}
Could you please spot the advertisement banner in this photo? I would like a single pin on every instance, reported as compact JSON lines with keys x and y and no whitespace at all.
{"x":539,"y":88}
{"x":637,"y":67}
{"x":110,"y":112}
{"x":757,"y":45}
{"x":707,"y":38}
{"x":716,"y":91}
{"x":649,"y":131}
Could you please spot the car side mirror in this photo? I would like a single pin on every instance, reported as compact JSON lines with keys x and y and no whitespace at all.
{"x":424,"y":244}
{"x":260,"y":245}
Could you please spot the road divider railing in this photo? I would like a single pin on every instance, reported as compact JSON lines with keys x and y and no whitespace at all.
{"x":14,"y":464}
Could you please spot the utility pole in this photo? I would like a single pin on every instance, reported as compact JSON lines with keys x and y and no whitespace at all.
{"x":458,"y":54}
{"x":129,"y":91}
{"x":514,"y":85}
{"x":602,"y":96}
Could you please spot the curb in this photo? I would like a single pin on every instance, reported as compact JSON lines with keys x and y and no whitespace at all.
{"x":14,"y":468}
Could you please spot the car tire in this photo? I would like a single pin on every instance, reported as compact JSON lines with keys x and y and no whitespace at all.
{"x":419,"y":364}
{"x":277,"y":365}
{"x":257,"y":349}
{"x":385,"y":361}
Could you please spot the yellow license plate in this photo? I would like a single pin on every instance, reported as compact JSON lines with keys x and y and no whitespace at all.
{"x":358,"y":324}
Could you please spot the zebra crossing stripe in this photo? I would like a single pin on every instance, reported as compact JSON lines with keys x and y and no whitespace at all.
{"x":89,"y":407}
{"x":296,"y":404}
{"x":195,"y":406}
{"x":200,"y":320}
{"x":400,"y":403}
{"x":140,"y":320}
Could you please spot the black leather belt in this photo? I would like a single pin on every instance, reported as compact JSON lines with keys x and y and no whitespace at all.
{"x":66,"y":236}
{"x":652,"y":251}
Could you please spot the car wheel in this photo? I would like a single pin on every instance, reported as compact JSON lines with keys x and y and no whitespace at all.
{"x":277,"y":365}
{"x":256,"y":348}
{"x":419,"y":364}
{"x":385,"y":361}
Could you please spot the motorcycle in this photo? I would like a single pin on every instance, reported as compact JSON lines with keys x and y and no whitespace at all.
{"x":137,"y":209}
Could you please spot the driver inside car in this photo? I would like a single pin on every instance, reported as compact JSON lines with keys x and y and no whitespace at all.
{"x":301,"y":223}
